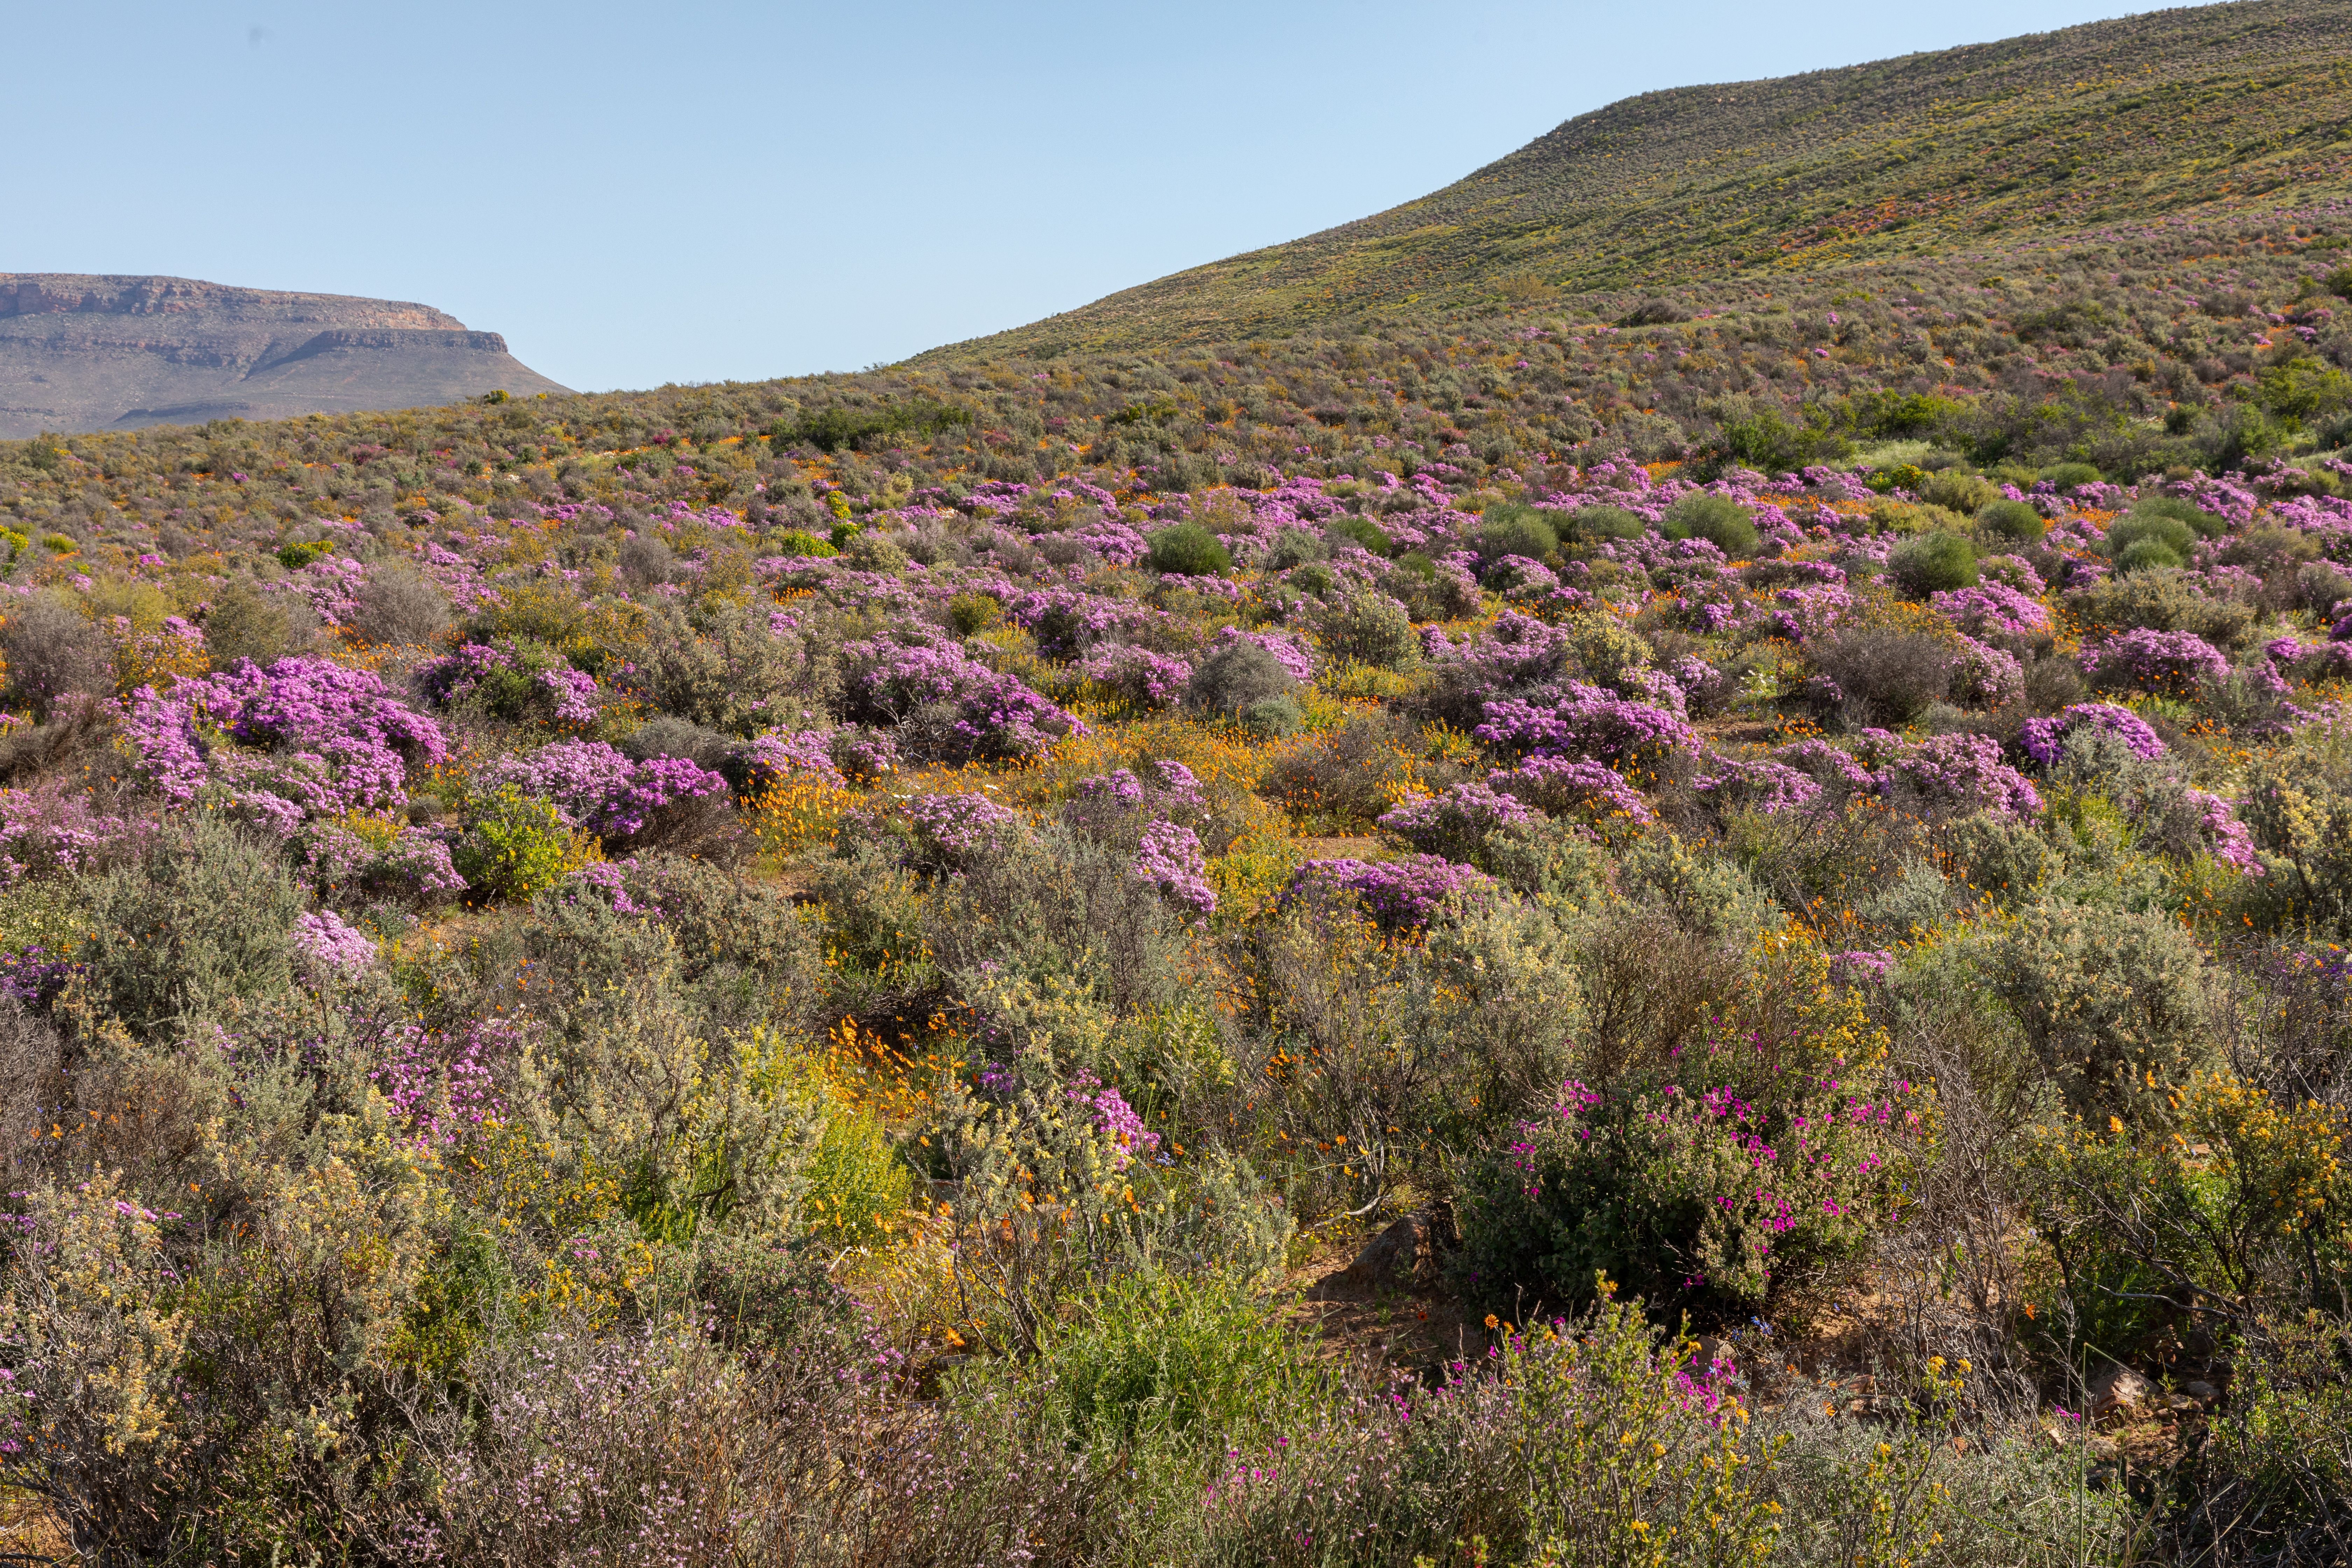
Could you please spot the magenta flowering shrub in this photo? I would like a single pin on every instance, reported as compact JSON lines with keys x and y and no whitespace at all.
{"x":949,"y":705}
{"x":1861,"y":966}
{"x":1991,"y":609}
{"x":1138,"y":676}
{"x":597,"y":789}
{"x":1401,"y":896}
{"x":2227,"y":839}
{"x":1801,"y":613}
{"x":442,"y":1084}
{"x":1760,"y":784}
{"x":1168,"y":857}
{"x":302,"y":739}
{"x":1289,"y":651}
{"x":1130,"y":1139}
{"x":326,"y":945}
{"x":53,"y":830}
{"x":950,"y":829}
{"x":2172,"y":663}
{"x":1950,"y":772}
{"x":413,"y":866}
{"x":2011,"y":571}
{"x":2044,"y":739}
{"x":1455,"y":825}
{"x":773,"y":755}
{"x":1154,"y":814}
{"x":1592,"y":792}
{"x":1067,"y":622}
{"x":35,"y":978}
{"x":1591,"y":723}
{"x":1986,"y":676}
{"x":514,"y":679}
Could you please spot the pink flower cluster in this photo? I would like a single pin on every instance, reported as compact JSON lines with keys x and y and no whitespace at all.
{"x":328,"y":945}
{"x":327,"y":740}
{"x":594,"y":788}
{"x":2044,"y":739}
{"x":987,"y":713}
{"x":1455,"y":823}
{"x":1990,"y":609}
{"x":2173,"y":662}
{"x":1398,"y":895}
{"x":1141,"y":677}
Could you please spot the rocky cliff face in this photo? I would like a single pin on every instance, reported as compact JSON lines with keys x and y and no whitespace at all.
{"x":81,"y":352}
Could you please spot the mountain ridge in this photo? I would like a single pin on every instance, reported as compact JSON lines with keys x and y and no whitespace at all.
{"x":88,"y":352}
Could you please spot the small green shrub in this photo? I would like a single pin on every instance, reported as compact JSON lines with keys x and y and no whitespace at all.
{"x":1188,"y":549}
{"x":2107,"y":996}
{"x":514,"y":845}
{"x":2164,"y":599}
{"x":1239,"y":677}
{"x":1932,"y":562}
{"x":2199,"y":522}
{"x":1156,"y":1357}
{"x":1720,"y":520}
{"x":294,"y":557}
{"x":859,"y":1187}
{"x":53,"y":653}
{"x":2145,"y":527}
{"x":970,"y":613}
{"x":2070,"y":475}
{"x":2298,"y":806}
{"x":1515,"y":529}
{"x":244,"y":624}
{"x":1361,"y":530}
{"x":201,"y":924}
{"x":1370,"y":628}
{"x":1967,"y":494}
{"x":1592,"y":524}
{"x":2012,"y":521}
{"x":2147,"y":555}
{"x":800,"y":542}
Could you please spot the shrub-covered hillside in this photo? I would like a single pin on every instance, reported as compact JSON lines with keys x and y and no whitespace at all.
{"x":831,"y":970}
{"x":2052,"y":137}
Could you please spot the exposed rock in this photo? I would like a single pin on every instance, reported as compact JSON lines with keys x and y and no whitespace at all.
{"x":2118,"y":1388}
{"x":1390,"y":1261}
{"x":2202,"y":1392}
{"x":80,"y":352}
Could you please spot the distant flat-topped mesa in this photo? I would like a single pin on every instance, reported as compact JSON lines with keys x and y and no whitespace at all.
{"x":79,"y":352}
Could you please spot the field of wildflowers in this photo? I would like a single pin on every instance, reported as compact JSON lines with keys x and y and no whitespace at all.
{"x":812,"y":973}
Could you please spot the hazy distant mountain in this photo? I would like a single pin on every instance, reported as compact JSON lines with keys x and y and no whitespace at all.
{"x":82,"y":352}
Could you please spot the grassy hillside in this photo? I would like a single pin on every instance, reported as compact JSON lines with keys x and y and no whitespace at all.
{"x":2205,"y":110}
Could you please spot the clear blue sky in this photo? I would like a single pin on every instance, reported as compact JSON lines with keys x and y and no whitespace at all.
{"x":697,"y":192}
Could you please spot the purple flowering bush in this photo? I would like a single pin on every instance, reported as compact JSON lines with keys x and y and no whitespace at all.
{"x":515,"y":680}
{"x":1455,"y":825}
{"x":1960,"y":773}
{"x":2172,"y":663}
{"x":302,"y":739}
{"x":1401,"y":896}
{"x":941,"y":702}
{"x":1137,"y":676}
{"x":53,"y":831}
{"x":2044,"y":738}
{"x":1592,"y":793}
{"x":597,"y":790}
{"x":1592,"y":725}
